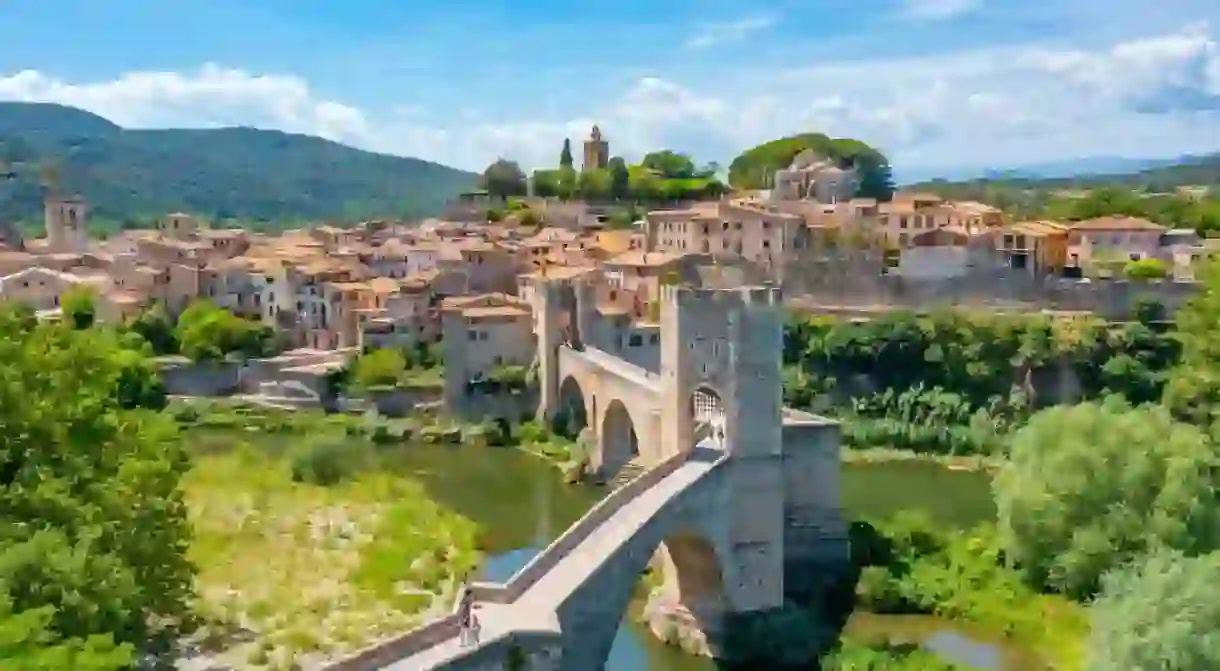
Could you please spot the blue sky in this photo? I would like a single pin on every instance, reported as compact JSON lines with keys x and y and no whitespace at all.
{"x":937,"y":84}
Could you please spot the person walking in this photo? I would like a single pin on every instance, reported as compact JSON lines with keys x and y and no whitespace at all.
{"x":466,"y":615}
{"x":476,"y":628}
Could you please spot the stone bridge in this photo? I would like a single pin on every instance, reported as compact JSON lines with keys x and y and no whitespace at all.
{"x":736,"y":506}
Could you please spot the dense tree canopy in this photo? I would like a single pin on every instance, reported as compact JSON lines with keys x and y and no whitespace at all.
{"x":79,"y":307}
{"x":669,"y":164}
{"x":754,"y":168}
{"x":207,"y":332}
{"x":93,"y":527}
{"x":1158,"y":614}
{"x":504,"y":178}
{"x":1089,"y":487}
{"x":1193,"y":390}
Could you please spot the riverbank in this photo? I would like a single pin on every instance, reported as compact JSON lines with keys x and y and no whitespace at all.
{"x":880,"y":455}
{"x":291,"y":572}
{"x":909,"y":565}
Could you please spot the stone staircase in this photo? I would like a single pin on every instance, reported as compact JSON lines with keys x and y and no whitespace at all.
{"x":630,"y":471}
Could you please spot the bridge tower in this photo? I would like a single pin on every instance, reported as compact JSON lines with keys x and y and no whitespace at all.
{"x":726,"y":344}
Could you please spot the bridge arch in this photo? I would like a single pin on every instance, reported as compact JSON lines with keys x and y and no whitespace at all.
{"x":575,"y":408}
{"x":620,"y":441}
{"x":685,"y":544}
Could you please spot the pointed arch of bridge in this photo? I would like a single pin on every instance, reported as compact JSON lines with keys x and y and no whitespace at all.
{"x":620,"y":441}
{"x":692,"y":591}
{"x":575,"y":411}
{"x":691,"y":567}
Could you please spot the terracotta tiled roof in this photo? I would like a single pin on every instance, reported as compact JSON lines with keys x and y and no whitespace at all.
{"x":1117,"y":223}
{"x":638,"y":258}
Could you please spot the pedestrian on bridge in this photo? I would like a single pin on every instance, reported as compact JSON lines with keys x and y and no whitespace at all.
{"x":475,"y":628}
{"x":466,"y":615}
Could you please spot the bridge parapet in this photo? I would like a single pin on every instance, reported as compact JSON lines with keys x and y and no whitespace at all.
{"x":535,"y":650}
{"x":588,"y":524}
{"x":413,"y":642}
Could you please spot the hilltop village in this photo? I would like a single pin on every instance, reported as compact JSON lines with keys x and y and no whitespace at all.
{"x":384,"y":283}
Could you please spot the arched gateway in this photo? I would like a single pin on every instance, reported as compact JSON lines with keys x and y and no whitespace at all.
{"x":736,"y":492}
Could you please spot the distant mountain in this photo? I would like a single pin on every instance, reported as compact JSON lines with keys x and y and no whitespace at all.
{"x":1067,"y":169}
{"x":1151,"y":175}
{"x":242,"y":173}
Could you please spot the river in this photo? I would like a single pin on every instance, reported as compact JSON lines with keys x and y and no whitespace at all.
{"x":522,"y":505}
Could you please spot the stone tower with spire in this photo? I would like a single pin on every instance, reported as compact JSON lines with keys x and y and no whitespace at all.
{"x":597,"y":151}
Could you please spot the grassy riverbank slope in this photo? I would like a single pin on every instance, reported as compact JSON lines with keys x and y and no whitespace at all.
{"x":309,"y":570}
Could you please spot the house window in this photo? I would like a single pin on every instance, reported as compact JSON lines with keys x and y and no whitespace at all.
{"x":654,"y":339}
{"x":636,"y":340}
{"x":472,"y":335}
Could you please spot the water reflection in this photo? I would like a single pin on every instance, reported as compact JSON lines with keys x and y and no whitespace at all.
{"x":954,"y":642}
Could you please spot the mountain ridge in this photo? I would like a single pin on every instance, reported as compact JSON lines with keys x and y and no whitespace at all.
{"x":233,"y":172}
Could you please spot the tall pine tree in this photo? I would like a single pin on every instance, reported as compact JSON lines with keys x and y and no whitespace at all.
{"x":565,"y":156}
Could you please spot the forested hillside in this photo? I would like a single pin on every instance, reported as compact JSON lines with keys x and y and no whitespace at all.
{"x":241,"y":173}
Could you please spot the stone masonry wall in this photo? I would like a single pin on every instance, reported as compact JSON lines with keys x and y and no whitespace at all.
{"x":856,"y":282}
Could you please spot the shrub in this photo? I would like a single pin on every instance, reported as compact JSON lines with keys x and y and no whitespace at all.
{"x":325,"y":463}
{"x":1087,"y":488}
{"x":1158,"y":614}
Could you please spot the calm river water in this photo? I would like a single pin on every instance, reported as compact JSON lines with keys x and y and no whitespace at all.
{"x":522,"y":506}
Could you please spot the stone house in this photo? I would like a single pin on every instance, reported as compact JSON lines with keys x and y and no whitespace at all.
{"x":1038,"y":247}
{"x":1113,"y":239}
{"x":945,"y":253}
{"x":498,"y":329}
{"x":634,"y":278}
{"x":43,"y":288}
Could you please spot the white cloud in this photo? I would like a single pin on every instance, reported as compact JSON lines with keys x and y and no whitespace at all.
{"x":937,"y":10}
{"x":711,"y":34}
{"x":1155,"y":96}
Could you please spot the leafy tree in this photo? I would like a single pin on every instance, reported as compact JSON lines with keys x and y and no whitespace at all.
{"x":567,"y":182}
{"x":565,"y":156}
{"x":546,"y":183}
{"x":620,"y":178}
{"x":670,"y":164}
{"x":504,"y":178}
{"x":27,"y":643}
{"x":1193,"y":390}
{"x":208,"y":332}
{"x":379,"y":368}
{"x":1158,"y":614}
{"x":595,"y":184}
{"x":101,"y":476}
{"x":1146,"y":269}
{"x":79,"y":307}
{"x":157,"y":328}
{"x":755,"y":167}
{"x":876,"y":177}
{"x":1089,"y":487}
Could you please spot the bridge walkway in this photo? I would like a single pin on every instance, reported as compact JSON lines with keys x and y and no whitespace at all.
{"x":535,"y":609}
